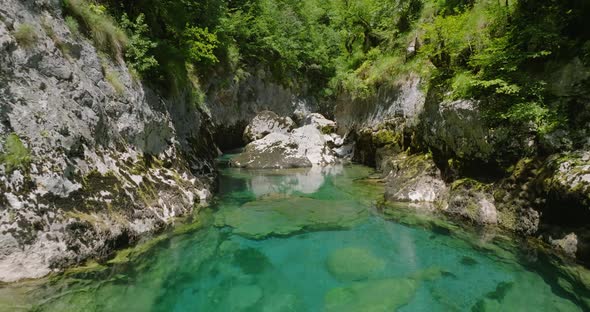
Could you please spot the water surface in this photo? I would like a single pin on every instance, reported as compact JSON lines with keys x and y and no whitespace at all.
{"x":312,"y":240}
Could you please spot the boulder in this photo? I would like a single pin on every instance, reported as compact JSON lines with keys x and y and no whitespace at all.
{"x":566,"y":179}
{"x":353,"y":264}
{"x":303,"y":147}
{"x":473,"y":201}
{"x":326,"y":126}
{"x":568,"y":244}
{"x":267,"y":122}
{"x":274,"y":151}
{"x":387,"y":294}
{"x":413,"y":178}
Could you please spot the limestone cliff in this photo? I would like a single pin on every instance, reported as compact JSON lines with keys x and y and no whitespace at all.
{"x":91,"y":159}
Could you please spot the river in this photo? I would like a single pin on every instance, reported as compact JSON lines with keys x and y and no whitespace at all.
{"x":311,"y":240}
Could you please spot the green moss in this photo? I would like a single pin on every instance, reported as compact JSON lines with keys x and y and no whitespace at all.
{"x":16,"y":155}
{"x":386,"y":137}
{"x":26,"y":35}
{"x":470,"y":184}
{"x":327,"y":129}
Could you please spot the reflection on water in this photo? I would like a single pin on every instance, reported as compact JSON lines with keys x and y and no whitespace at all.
{"x":311,"y":240}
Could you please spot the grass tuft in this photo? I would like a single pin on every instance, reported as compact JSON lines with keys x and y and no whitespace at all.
{"x":73,"y":26}
{"x":101,"y":27}
{"x":113,"y":78}
{"x":26,"y":35}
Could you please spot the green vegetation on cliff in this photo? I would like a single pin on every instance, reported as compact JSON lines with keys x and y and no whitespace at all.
{"x":500,"y":52}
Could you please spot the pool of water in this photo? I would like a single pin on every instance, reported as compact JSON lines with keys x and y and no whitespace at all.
{"x":313,"y":240}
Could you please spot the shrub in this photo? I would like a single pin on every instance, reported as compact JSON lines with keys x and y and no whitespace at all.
{"x":16,"y":155}
{"x":200,"y":45}
{"x":25,"y":35}
{"x":138,"y":53}
{"x":101,"y":27}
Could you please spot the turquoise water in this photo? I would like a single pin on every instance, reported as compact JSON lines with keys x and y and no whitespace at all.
{"x":313,"y":240}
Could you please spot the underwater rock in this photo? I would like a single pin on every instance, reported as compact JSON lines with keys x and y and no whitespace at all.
{"x":379,"y":295}
{"x":267,"y":122}
{"x":243,"y":296}
{"x":506,"y":297}
{"x":375,"y":295}
{"x":266,"y":217}
{"x":353,"y":264}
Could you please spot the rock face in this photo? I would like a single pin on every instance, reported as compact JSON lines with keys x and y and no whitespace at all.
{"x":306,"y":146}
{"x":267,"y":122}
{"x":457,"y":130}
{"x":86,"y":165}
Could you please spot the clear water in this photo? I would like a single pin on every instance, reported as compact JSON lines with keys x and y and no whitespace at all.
{"x":388,"y":261}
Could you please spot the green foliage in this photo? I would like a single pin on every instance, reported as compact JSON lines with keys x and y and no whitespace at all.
{"x":200,"y":45}
{"x":139,"y":50}
{"x":16,"y":155}
{"x":493,"y":51}
{"x":25,"y":35}
{"x":73,"y":26}
{"x":99,"y":25}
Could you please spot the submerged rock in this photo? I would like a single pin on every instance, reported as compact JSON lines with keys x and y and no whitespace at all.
{"x":243,"y":296}
{"x":387,"y":294}
{"x":353,"y":264}
{"x":376,"y":295}
{"x":267,"y":122}
{"x":506,"y":297}
{"x":266,"y":217}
